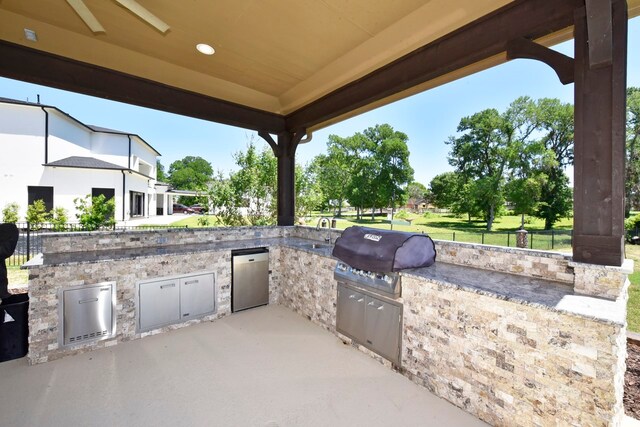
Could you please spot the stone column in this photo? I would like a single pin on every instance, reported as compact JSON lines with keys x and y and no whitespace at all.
{"x":522,"y":238}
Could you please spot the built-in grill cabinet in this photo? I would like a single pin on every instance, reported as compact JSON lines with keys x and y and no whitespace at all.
{"x":370,"y":320}
{"x":87,"y":313}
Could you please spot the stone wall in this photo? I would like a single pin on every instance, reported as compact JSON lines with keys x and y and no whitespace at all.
{"x":307,"y":286}
{"x":601,"y":280}
{"x":524,"y":262}
{"x":510,"y":363}
{"x":108,"y":240}
{"x":44,"y":283}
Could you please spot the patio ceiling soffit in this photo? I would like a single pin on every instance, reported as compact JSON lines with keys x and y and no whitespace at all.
{"x":486,"y":41}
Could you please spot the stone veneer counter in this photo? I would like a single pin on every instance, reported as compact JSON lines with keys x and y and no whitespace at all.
{"x":70,"y":258}
{"x":547,"y":294}
{"x":507,"y":334}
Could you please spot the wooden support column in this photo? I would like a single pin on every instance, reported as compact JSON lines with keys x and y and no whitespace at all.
{"x":599,"y":152}
{"x":285,"y":151}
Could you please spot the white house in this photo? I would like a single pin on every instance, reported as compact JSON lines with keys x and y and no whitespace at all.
{"x":47,"y":154}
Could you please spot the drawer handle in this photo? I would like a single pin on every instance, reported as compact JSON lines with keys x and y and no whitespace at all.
{"x":172,"y":285}
{"x":84,"y":301}
{"x":381,"y":307}
{"x":371,"y":303}
{"x":361,"y":299}
{"x":352,"y":296}
{"x":190,"y":282}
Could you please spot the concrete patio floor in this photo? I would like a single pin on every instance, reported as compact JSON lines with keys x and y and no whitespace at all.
{"x":263,"y":367}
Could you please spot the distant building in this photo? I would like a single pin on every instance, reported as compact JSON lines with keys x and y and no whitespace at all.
{"x":47,"y":154}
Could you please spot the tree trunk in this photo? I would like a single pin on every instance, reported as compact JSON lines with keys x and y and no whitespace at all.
{"x":340,"y":208}
{"x":357,"y":213}
{"x":548,"y":223}
{"x":373,"y":213}
{"x":522,"y":222}
{"x":490,"y":217}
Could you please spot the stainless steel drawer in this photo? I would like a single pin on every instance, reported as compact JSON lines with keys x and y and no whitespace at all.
{"x":88,"y":313}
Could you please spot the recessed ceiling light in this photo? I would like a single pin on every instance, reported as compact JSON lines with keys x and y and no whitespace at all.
{"x":30,"y":35}
{"x":205,"y":49}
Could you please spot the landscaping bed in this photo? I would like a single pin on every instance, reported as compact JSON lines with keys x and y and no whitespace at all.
{"x":632,"y":381}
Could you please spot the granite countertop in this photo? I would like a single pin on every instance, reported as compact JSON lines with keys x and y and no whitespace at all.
{"x":548,"y":294}
{"x":525,"y":290}
{"x":71,"y":258}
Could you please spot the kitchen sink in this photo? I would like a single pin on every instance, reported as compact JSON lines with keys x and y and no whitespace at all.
{"x":316,"y":245}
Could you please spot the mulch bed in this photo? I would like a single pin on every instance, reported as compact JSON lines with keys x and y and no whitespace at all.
{"x":632,"y":381}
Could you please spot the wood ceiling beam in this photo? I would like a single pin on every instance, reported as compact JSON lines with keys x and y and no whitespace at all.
{"x":479,"y":40}
{"x":34,"y":66}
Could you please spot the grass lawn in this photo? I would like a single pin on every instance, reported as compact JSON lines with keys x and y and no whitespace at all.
{"x":17,"y":276}
{"x":633,"y":307}
{"x":192,"y":221}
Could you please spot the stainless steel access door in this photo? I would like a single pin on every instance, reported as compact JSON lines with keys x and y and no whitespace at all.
{"x":250,"y":286}
{"x":88,"y":313}
{"x":350,"y":313}
{"x":383,"y":328}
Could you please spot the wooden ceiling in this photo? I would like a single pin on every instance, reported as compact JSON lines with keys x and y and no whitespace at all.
{"x":274,"y":56}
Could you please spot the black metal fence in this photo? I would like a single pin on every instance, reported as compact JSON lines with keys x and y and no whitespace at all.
{"x":542,"y":240}
{"x":30,"y":237}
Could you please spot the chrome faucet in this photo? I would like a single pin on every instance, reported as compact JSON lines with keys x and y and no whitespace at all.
{"x":320,"y":221}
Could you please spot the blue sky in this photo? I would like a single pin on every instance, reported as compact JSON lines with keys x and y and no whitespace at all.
{"x":428,"y":118}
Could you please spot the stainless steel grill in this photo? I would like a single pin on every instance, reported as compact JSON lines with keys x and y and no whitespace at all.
{"x":388,"y":283}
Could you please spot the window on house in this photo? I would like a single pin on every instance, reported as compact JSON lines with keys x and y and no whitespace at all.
{"x":41,"y":193}
{"x":108,"y":193}
{"x":136,"y":203}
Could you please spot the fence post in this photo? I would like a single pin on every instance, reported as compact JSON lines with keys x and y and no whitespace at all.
{"x":454,"y":236}
{"x":508,"y":239}
{"x":553,"y":239}
{"x":483,"y":237}
{"x":28,"y":241}
{"x":531,"y":241}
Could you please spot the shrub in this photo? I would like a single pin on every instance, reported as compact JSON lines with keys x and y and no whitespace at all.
{"x":95,"y":212}
{"x":37,"y":214}
{"x":203,"y":221}
{"x":402,"y":214}
{"x":10,"y":213}
{"x":632,"y":222}
{"x":59,"y":219}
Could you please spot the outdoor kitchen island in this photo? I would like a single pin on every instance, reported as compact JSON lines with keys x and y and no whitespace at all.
{"x":515,"y":337}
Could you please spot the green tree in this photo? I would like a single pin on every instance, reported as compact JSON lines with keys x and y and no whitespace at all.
{"x":255,"y":184}
{"x":10,"y":213}
{"x":444,"y":190}
{"x":524,"y":193}
{"x":308,"y":193}
{"x":95,"y":212}
{"x":190,"y":173}
{"x":481,"y":154}
{"x":555,"y":122}
{"x":224,"y":200}
{"x":59,"y":219}
{"x":417,"y":193}
{"x":632,"y":168}
{"x":37,"y":214}
{"x":333,"y":172}
{"x":161,"y":175}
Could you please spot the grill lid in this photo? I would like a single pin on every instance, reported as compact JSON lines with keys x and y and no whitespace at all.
{"x":372,"y":249}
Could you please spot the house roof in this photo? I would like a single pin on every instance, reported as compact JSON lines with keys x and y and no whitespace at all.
{"x":92,"y":128}
{"x":85,"y":163}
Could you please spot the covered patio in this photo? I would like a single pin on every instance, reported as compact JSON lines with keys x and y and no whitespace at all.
{"x":266,"y":367}
{"x":511,"y":336}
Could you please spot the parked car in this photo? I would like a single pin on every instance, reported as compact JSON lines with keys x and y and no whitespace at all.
{"x":199,"y":209}
{"x":180,"y":208}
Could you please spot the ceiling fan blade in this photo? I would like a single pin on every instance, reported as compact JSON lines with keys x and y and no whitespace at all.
{"x":85,"y":14}
{"x":144,"y":14}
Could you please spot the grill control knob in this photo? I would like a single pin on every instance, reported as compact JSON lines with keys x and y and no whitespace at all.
{"x":388,"y":279}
